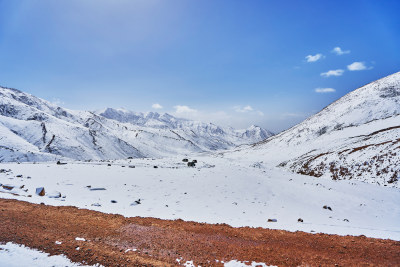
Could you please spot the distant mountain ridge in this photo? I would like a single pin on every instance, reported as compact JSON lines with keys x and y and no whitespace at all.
{"x":33,"y":129}
{"x":167,"y":121}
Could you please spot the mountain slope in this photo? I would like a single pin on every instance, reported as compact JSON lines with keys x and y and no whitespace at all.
{"x":356,"y":137}
{"x":32,"y":129}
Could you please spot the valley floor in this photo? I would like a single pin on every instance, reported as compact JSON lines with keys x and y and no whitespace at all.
{"x":91,"y":237}
{"x":218,"y":190}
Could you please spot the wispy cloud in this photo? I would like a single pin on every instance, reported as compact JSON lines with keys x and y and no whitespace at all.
{"x":358,"y":66}
{"x":58,"y":102}
{"x":325,"y":90}
{"x":338,"y":51}
{"x":244,"y":109}
{"x":311,"y":58}
{"x":184,"y":109}
{"x":338,"y":72}
{"x":156,"y":106}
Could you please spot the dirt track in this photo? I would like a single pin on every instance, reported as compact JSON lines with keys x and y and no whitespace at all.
{"x":161,"y":242}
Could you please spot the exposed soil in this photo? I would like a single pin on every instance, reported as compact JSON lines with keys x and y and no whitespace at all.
{"x":160,"y":242}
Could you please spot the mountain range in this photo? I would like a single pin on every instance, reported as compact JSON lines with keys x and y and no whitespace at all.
{"x":33,"y":129}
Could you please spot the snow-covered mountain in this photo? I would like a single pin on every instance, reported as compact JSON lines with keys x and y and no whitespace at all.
{"x":196,"y":131}
{"x":32,"y":129}
{"x":356,"y":137}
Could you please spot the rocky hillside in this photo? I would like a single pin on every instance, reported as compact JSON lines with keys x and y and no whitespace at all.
{"x":356,"y":137}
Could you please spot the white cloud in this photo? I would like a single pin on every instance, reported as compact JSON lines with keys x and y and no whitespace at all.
{"x":311,"y":58}
{"x":242,"y":110}
{"x":338,"y":51}
{"x":184,"y":109}
{"x":338,"y":72}
{"x":156,"y":106}
{"x":292,"y":115}
{"x":325,"y":90}
{"x":358,"y":66}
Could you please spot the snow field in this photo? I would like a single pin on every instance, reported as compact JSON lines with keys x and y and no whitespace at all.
{"x":217,"y":190}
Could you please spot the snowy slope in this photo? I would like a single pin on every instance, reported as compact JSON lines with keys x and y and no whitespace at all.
{"x":32,"y":129}
{"x":356,"y":137}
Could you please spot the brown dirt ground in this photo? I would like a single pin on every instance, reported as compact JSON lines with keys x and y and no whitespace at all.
{"x":161,"y":242}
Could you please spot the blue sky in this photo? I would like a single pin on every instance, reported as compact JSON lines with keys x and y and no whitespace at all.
{"x":238,"y":63}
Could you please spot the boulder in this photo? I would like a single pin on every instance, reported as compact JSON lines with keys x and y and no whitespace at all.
{"x":40,"y":191}
{"x":8,"y":187}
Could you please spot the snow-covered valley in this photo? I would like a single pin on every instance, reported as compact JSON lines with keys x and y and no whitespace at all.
{"x":217,"y":190}
{"x":336,"y":172}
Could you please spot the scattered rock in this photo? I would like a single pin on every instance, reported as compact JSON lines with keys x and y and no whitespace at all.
{"x":327,"y":207}
{"x":191,"y":164}
{"x":19,"y":176}
{"x":40,"y":191}
{"x":61,"y":163}
{"x":272,"y":220}
{"x":194,"y":161}
{"x":109,"y":165}
{"x":131,"y":166}
{"x":185,"y":160}
{"x":130,"y":157}
{"x":8,"y":187}
{"x":114,"y":201}
{"x":137,"y":202}
{"x":345,"y":220}
{"x":54,"y":194}
{"x":97,"y":189}
{"x":96,"y":205}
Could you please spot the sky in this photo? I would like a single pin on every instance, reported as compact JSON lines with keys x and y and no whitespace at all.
{"x":237,"y":63}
